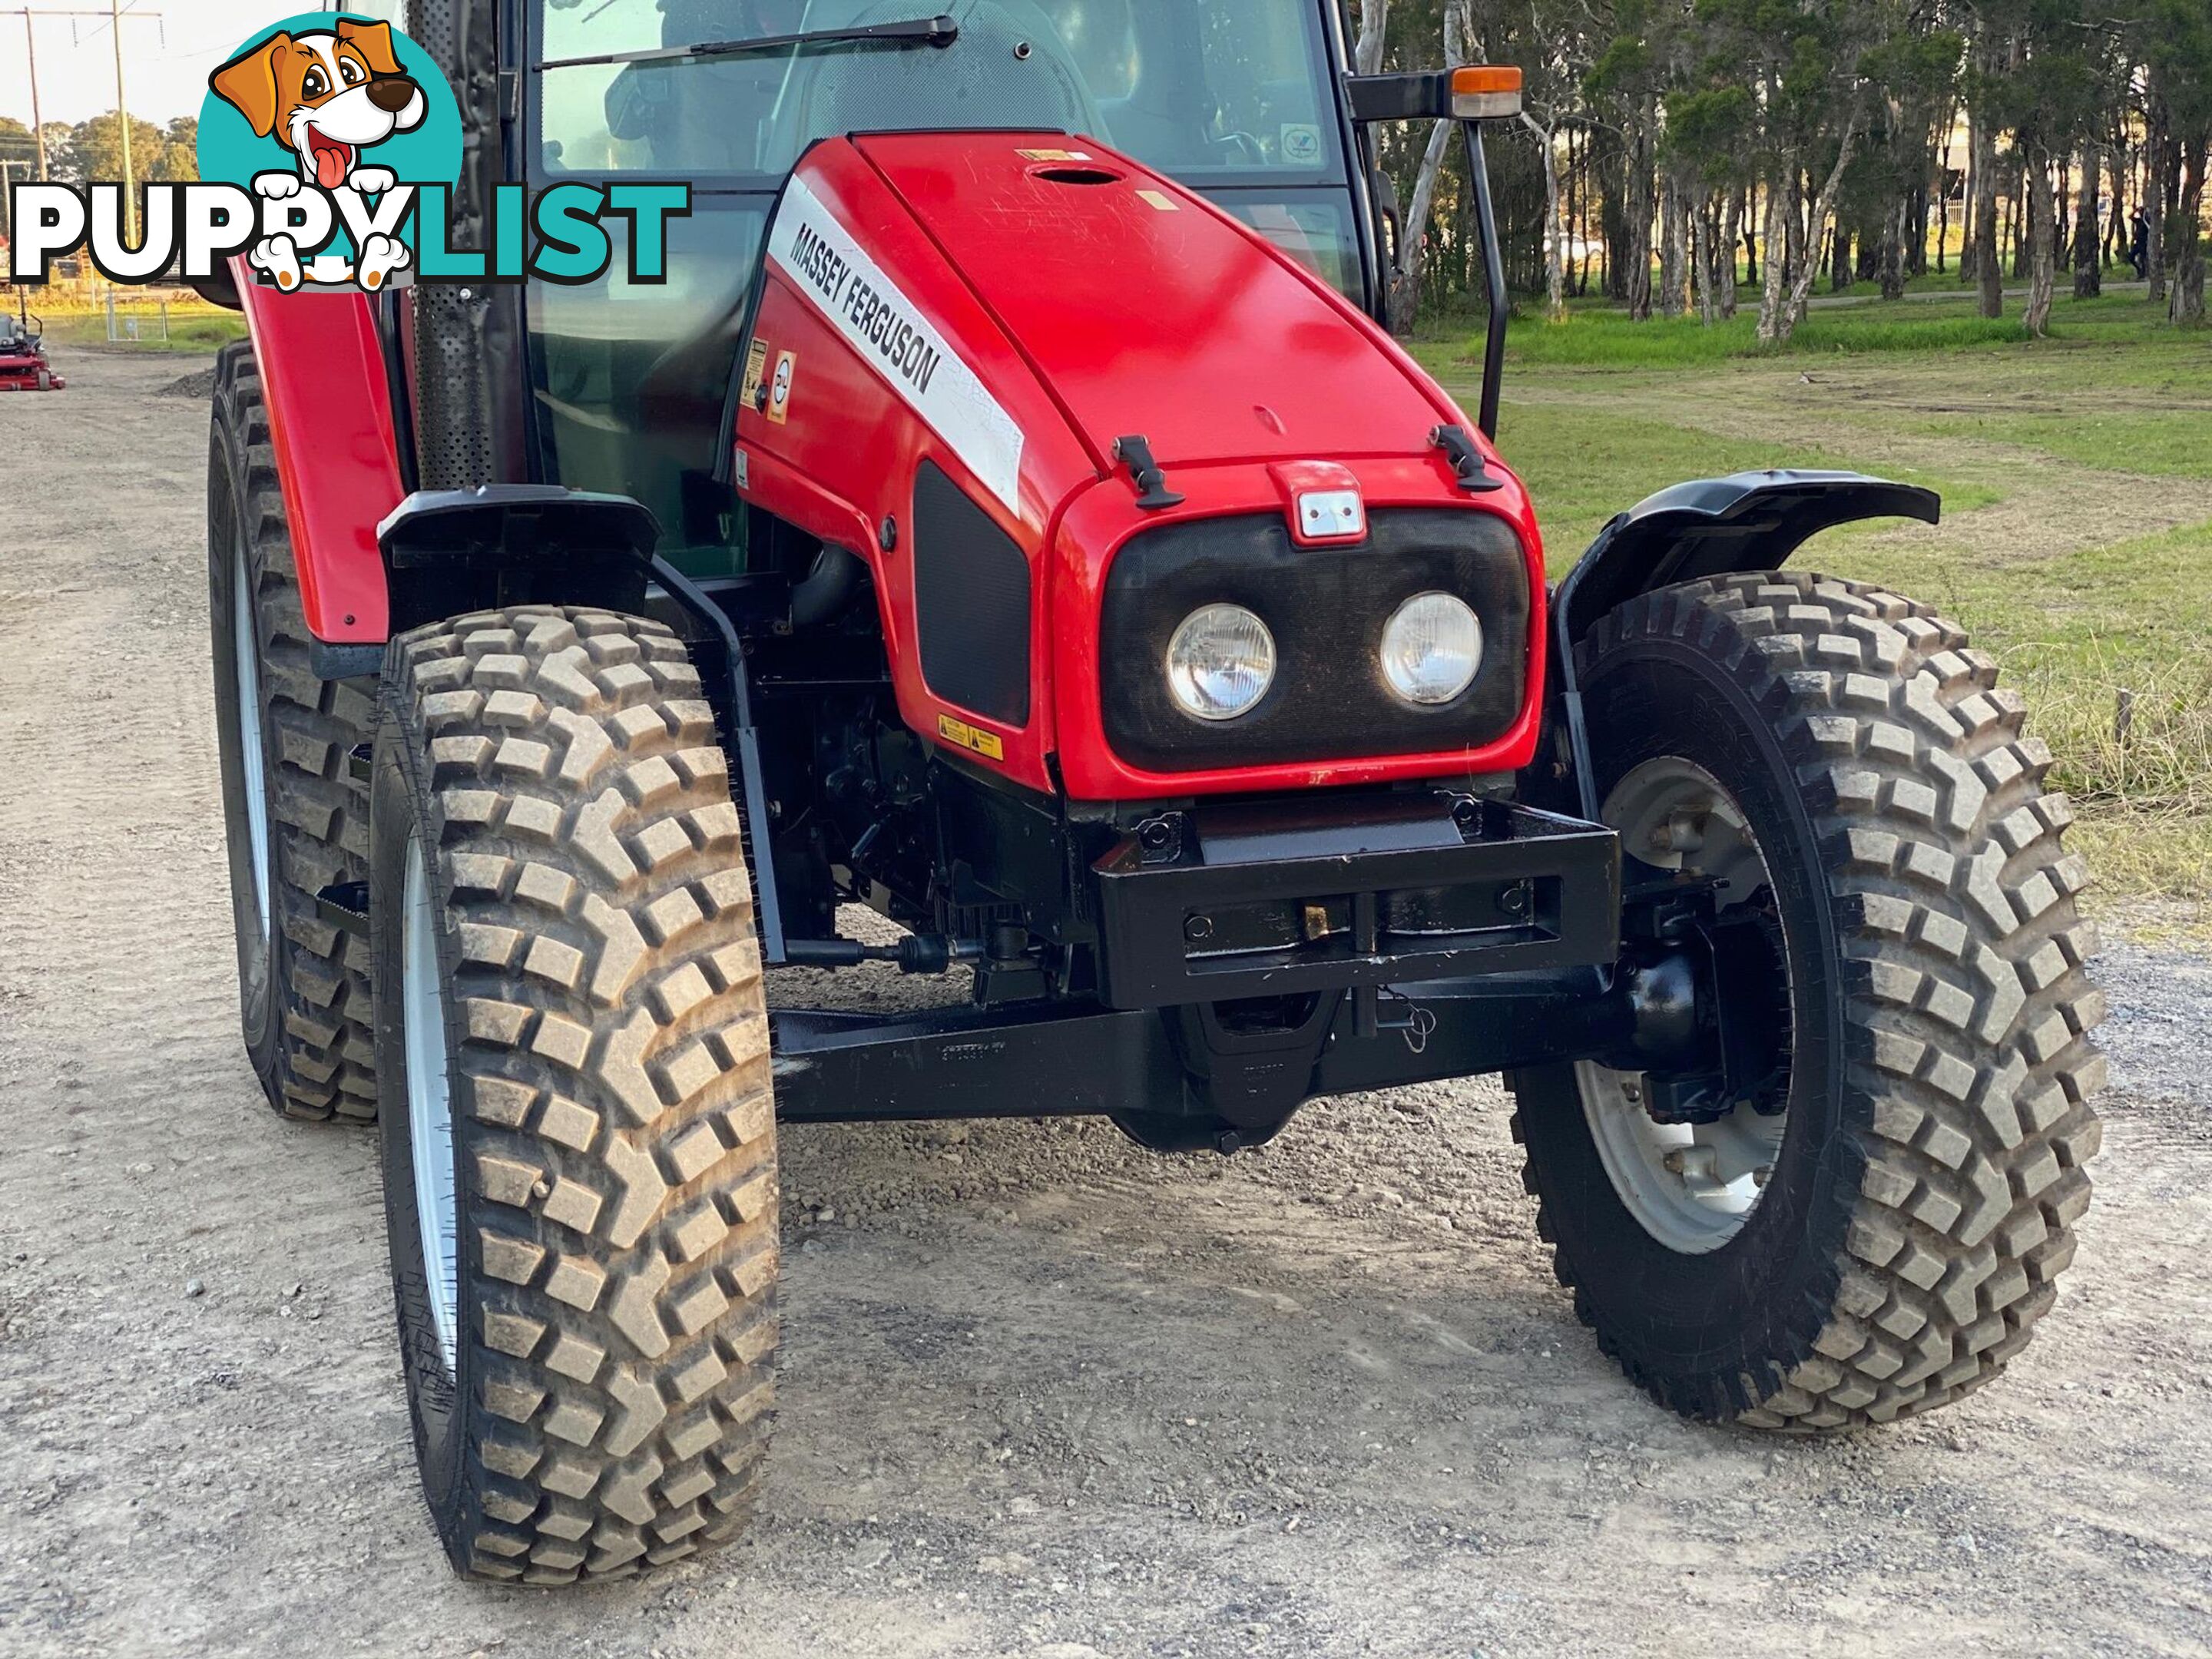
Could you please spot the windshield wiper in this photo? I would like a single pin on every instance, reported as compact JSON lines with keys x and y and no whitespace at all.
{"x":939,"y":31}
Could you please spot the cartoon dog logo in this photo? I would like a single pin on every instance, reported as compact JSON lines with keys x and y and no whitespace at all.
{"x":327,"y":96}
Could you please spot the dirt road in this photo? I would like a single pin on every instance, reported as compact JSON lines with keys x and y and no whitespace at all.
{"x":1045,"y":1394}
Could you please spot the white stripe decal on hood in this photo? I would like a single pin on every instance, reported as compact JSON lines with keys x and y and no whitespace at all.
{"x":827,"y":264}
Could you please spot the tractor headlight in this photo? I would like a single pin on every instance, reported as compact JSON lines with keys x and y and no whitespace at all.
{"x":1220,"y":662}
{"x":1431,"y":648}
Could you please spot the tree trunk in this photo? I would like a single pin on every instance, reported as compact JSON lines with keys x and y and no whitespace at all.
{"x":2042,"y":237}
{"x":1751,"y":233}
{"x":1612,"y":215}
{"x":1673,"y":265}
{"x":1402,"y":294}
{"x":1578,"y":251}
{"x":1839,"y":262}
{"x":1893,"y":251}
{"x":1771,"y":328}
{"x":1916,"y":214}
{"x":2115,"y":154}
{"x":1374,"y":30}
{"x":1976,"y":211}
{"x":1555,"y":234}
{"x":1802,"y":294}
{"x":2186,"y":305}
{"x":1642,"y":188}
{"x":2088,"y":262}
{"x":2063,"y":210}
{"x":1701,"y":276}
{"x":2157,"y":142}
{"x":1943,"y":195}
{"x":1989,"y":274}
{"x":1796,"y":255}
{"x":1404,"y":287}
{"x":1731,"y":237}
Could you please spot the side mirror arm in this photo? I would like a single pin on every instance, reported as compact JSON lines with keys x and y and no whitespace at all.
{"x":1470,"y":96}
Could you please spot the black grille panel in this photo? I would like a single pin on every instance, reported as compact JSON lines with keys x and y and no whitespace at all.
{"x":1327,"y":608}
{"x":971,"y":599}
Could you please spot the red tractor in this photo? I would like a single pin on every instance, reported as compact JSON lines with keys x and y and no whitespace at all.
{"x":1011,"y":516}
{"x":23,"y":365}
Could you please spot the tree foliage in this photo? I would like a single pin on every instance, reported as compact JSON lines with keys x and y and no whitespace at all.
{"x":1697,"y":145}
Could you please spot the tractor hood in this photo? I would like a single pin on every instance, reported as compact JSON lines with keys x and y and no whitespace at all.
{"x":957,"y":340}
{"x":1145,"y":311}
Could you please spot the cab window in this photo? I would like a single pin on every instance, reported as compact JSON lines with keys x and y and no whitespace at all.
{"x":1202,"y":91}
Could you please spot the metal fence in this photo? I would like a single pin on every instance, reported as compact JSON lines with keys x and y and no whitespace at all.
{"x":128,"y":324}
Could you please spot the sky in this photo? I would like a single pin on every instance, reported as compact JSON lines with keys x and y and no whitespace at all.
{"x":166,"y":64}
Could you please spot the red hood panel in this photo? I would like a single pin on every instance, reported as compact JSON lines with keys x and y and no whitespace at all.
{"x":1222,"y":351}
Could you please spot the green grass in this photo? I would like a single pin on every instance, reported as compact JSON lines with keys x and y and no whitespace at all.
{"x":1581,"y":472}
{"x":1609,"y":339}
{"x":1601,"y":335}
{"x":2172,"y":445}
{"x":2079,"y":634}
{"x":192,"y":333}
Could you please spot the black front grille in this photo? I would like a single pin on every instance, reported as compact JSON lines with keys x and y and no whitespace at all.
{"x":1326,"y":607}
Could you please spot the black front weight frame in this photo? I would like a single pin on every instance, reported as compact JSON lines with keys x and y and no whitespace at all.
{"x":1254,"y":958}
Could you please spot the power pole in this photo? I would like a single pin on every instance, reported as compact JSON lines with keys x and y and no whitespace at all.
{"x":114,"y":16}
{"x":122,"y":120}
{"x":37,"y":120}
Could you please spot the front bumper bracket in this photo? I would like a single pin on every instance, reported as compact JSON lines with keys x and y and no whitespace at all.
{"x":1229,"y":902}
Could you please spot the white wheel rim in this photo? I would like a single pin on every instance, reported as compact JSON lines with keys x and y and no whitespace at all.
{"x":429,"y":1101}
{"x":1691,"y":1187}
{"x":245,"y":635}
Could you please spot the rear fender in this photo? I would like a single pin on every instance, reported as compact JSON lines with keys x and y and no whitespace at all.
{"x":1706,"y":528}
{"x":327,"y":392}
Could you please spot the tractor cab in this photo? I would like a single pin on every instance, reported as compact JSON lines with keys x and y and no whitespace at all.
{"x":1241,"y":103}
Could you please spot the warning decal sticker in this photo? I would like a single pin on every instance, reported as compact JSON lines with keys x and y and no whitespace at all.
{"x":778,"y":395}
{"x":985,"y":743}
{"x":895,"y":339}
{"x":755,"y":372}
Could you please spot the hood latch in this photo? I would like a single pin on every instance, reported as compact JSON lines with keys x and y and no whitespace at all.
{"x":1466,"y":459}
{"x":1152,"y":491}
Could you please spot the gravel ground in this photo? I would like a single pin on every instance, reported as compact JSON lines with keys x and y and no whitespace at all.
{"x":1045,"y":1394}
{"x":2157,"y":1029}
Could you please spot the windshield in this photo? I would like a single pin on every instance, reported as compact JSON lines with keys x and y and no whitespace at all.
{"x":1202,"y":89}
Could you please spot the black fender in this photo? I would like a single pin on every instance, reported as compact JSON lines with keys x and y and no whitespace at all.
{"x":593,"y":549}
{"x":505,"y":527}
{"x":446,"y":551}
{"x":1705,"y":527}
{"x":1713,"y":526}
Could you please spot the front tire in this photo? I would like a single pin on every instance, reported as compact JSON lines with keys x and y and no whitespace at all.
{"x":573,"y":1060}
{"x":1927,"y":1161}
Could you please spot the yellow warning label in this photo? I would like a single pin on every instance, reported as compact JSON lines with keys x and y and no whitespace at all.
{"x":779,"y":391}
{"x":755,"y":372}
{"x":985,"y":743}
{"x":1054,"y":154}
{"x":1160,"y":199}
